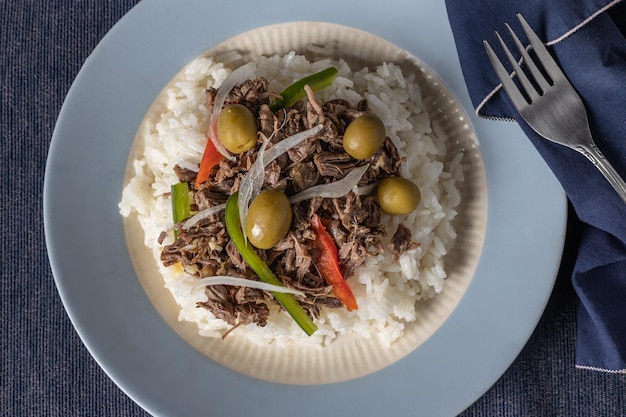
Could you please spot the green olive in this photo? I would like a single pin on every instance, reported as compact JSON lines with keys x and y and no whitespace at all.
{"x":237,"y":128}
{"x":397,"y":195}
{"x":364,"y":136}
{"x":269,"y":219}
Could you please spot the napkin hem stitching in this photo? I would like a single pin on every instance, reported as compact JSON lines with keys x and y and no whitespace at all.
{"x":593,"y":368}
{"x":549,"y":43}
{"x":583,"y":23}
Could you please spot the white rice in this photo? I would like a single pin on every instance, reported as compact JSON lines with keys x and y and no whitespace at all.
{"x":386,"y":291}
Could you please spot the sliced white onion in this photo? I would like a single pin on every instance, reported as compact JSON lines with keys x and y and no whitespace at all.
{"x":238,"y":76}
{"x":193,"y":220}
{"x":250,"y":186}
{"x":252,"y":182}
{"x":366,"y":189}
{"x":334,"y":189}
{"x":243,"y":282}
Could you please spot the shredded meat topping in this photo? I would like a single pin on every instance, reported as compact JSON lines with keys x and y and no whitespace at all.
{"x":353,"y":220}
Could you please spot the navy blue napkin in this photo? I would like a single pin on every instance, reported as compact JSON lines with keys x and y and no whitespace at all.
{"x":587,"y":39}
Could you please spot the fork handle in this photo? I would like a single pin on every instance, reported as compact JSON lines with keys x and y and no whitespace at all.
{"x":594,"y":154}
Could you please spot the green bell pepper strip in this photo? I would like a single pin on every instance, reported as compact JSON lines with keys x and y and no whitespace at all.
{"x":180,"y":202}
{"x":233,"y":227}
{"x":295,"y":91}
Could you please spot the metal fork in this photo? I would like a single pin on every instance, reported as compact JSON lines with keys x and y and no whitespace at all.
{"x":551,"y":107}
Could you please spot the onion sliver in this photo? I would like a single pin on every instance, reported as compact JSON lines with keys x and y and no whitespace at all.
{"x":251,"y":185}
{"x":334,"y":189}
{"x":193,"y":220}
{"x":244,"y":282}
{"x":252,"y":182}
{"x":238,"y":76}
{"x":366,"y":189}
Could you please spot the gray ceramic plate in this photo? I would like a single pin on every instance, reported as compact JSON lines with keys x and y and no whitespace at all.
{"x":458,"y":360}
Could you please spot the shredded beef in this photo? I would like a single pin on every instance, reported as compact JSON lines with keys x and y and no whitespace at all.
{"x":184,"y":174}
{"x":236,"y":305}
{"x":353,"y":220}
{"x":401,"y":241}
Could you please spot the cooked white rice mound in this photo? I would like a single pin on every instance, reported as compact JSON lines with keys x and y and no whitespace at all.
{"x":386,"y":291}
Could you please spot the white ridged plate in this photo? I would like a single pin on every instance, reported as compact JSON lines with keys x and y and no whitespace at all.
{"x":349,"y":356}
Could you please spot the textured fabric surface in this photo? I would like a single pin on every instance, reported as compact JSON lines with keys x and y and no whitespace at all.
{"x":587,"y":40}
{"x":46,"y":371}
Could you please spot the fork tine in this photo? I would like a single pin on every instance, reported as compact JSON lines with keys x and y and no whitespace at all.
{"x":509,"y":86}
{"x":521,"y":76}
{"x":537,"y":75}
{"x":545,"y":58}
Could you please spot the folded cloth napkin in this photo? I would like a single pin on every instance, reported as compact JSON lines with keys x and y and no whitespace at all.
{"x":587,"y":38}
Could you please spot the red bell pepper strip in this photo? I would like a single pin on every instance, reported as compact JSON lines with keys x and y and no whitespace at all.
{"x":327,"y":264}
{"x":210,"y":158}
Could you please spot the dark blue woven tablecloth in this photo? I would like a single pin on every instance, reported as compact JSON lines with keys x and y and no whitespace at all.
{"x":46,"y":371}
